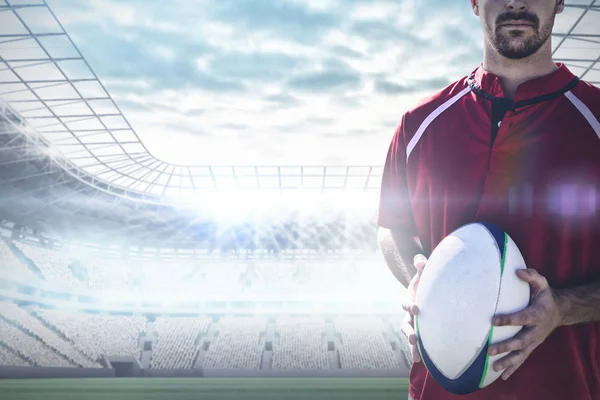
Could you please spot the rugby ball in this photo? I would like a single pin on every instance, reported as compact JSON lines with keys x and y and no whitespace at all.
{"x":469,"y":277}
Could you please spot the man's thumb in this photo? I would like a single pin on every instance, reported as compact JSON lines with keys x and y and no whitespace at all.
{"x":419,"y":262}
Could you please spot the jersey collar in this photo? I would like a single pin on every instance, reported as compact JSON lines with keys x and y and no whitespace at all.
{"x":488,"y":85}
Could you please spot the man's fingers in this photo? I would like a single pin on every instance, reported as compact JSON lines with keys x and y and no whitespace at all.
{"x":531,"y":276}
{"x":408,"y":331}
{"x":524,"y":317}
{"x":411,"y":308}
{"x":415,"y":354}
{"x":407,"y":328}
{"x":509,"y":371}
{"x":419,"y":262}
{"x":518,"y":342}
{"x":513,"y":360}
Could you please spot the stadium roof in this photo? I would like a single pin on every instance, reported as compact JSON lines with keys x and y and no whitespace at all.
{"x":45,"y":79}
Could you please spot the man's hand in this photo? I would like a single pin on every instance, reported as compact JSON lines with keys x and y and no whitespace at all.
{"x":411,"y":308}
{"x":539,"y":320}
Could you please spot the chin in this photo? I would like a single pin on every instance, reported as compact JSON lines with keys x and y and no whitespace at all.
{"x":516,"y":48}
{"x":517,"y":36}
{"x":516,"y":53}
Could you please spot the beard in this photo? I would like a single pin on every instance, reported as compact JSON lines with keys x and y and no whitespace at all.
{"x":516,"y":44}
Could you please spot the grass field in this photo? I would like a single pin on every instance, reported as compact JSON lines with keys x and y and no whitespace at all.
{"x":204,"y":389}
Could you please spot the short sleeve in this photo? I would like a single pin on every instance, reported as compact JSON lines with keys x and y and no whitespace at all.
{"x":395,"y":211}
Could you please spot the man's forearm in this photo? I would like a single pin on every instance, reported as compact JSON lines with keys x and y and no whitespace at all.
{"x":580,"y":305}
{"x":399,"y":250}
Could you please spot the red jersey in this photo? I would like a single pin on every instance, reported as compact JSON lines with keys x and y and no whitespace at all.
{"x":530,"y":166}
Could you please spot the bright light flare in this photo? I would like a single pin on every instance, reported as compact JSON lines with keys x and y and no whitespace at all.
{"x":235,"y":205}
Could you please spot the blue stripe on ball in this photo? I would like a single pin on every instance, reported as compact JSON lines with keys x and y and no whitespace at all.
{"x":471,"y":379}
{"x":498,"y":234}
{"x":468,"y":382}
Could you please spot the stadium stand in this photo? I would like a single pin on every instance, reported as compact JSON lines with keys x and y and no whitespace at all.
{"x":60,"y":338}
{"x":301,"y":344}
{"x":362,"y":344}
{"x":273,"y":277}
{"x":11,"y":264}
{"x":176,"y":345}
{"x":238,"y":344}
{"x":132,"y":276}
{"x":396,"y":325}
{"x":10,"y":358}
{"x":13,"y":313}
{"x":79,"y":339}
{"x":97,"y":335}
{"x":108,"y":274}
{"x":150,"y":276}
{"x":54,"y":265}
{"x":320,"y":278}
{"x":29,"y":347}
{"x":222,"y":278}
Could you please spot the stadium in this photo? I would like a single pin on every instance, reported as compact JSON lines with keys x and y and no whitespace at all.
{"x":117,"y":264}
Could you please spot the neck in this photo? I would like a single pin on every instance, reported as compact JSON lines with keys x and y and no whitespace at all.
{"x":512,"y":73}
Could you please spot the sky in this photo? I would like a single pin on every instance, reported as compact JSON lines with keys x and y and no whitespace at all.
{"x":271,"y":82}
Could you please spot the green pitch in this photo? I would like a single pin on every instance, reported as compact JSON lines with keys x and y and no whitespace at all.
{"x":204,"y":389}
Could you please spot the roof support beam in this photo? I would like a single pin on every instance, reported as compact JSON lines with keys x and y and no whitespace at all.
{"x":575,"y":35}
{"x":30,"y":35}
{"x":61,"y":81}
{"x":583,"y":6}
{"x":41,"y":60}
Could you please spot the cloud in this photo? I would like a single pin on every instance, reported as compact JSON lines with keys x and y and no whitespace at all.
{"x":384,"y":34}
{"x":258,"y":67}
{"x":271,"y":82}
{"x":234,"y":126}
{"x":141,"y":54}
{"x":385,"y":86}
{"x":281,"y":100}
{"x":286,"y":19}
{"x":194,"y":112}
{"x":344,"y":51}
{"x":324,"y":81}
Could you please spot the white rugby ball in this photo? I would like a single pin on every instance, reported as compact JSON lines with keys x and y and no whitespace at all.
{"x":469,"y":277}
